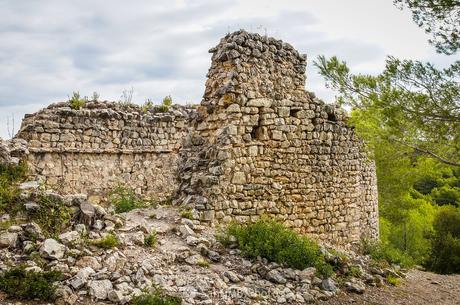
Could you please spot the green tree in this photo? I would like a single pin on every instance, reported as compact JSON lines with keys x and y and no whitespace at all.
{"x":445,"y":256}
{"x":440,"y":18}
{"x":416,"y":105}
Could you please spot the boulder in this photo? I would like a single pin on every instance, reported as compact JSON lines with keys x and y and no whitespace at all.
{"x":70,"y":237}
{"x":276,"y":277}
{"x":100,"y":289}
{"x":328,"y":284}
{"x":87,"y":213}
{"x":8,"y":240}
{"x":355,"y":286}
{"x":52,"y":249}
{"x":81,"y":278}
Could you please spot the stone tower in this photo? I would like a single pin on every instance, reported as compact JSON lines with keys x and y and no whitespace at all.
{"x":262,"y":145}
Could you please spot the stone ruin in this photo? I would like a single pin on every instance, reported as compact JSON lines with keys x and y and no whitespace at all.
{"x":258,"y":144}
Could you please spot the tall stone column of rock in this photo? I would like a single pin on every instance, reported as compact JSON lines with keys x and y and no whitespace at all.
{"x":263,"y":145}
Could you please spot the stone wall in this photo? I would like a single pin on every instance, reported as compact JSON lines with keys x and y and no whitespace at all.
{"x":264,"y":145}
{"x":93,"y":149}
{"x":258,"y":144}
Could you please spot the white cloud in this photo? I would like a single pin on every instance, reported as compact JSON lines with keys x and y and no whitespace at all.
{"x":49,"y":48}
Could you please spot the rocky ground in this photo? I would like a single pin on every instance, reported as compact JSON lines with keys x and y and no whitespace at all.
{"x":187,"y":261}
{"x":418,"y":288}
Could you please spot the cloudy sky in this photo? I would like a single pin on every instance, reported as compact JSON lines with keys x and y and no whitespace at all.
{"x":49,"y":48}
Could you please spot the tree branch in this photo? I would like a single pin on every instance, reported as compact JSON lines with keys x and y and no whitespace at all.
{"x":425,"y":151}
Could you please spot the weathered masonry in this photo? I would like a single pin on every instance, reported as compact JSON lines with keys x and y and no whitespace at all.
{"x":263,"y":145}
{"x":258,"y":144}
{"x":96,"y":148}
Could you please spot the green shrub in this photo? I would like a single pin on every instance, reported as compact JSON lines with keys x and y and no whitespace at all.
{"x":125,"y":199}
{"x":156,"y":298}
{"x":150,"y":240}
{"x":167,"y":102}
{"x":446,"y":195}
{"x":386,"y":252}
{"x":445,"y":255}
{"x":10,"y":176}
{"x":271,"y":240}
{"x":426,"y":184}
{"x":76,"y":102}
{"x":53,"y":216}
{"x":107,"y":242}
{"x":29,"y":285}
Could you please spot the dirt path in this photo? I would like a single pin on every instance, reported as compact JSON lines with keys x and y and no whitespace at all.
{"x":419,"y":288}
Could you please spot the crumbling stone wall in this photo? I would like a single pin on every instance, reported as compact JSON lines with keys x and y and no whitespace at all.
{"x":93,"y":149}
{"x":264,"y":145}
{"x":258,"y":144}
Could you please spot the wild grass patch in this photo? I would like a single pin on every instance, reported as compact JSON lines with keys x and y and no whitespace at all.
{"x":107,"y":242}
{"x":156,"y":297}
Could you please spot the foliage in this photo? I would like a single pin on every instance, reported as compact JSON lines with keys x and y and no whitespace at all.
{"x":412,"y":104}
{"x":386,"y":252}
{"x":439,"y":18}
{"x":186,"y":213}
{"x":150,"y":240}
{"x":10,"y":176}
{"x":393,"y":280}
{"x":409,"y":115}
{"x":76,"y":102}
{"x":354,"y":271}
{"x":425,"y":185}
{"x":167,"y":102}
{"x":53,"y":215}
{"x":107,"y":242}
{"x":156,"y":298}
{"x":445,"y":256}
{"x":147,"y":105}
{"x":125,"y":199}
{"x":29,"y":285}
{"x":446,"y":195}
{"x":271,"y":240}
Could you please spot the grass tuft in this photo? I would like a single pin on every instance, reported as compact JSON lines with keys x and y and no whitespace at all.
{"x":150,"y":240}
{"x":107,"y":242}
{"x":156,"y":298}
{"x":393,"y":280}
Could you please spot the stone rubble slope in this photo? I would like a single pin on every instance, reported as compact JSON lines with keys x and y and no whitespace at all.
{"x":187,"y":261}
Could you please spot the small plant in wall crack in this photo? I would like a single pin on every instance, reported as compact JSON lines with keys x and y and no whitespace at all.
{"x":76,"y":101}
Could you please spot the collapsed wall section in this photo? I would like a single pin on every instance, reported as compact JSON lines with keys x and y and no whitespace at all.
{"x":263,"y":145}
{"x":102,"y":145}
